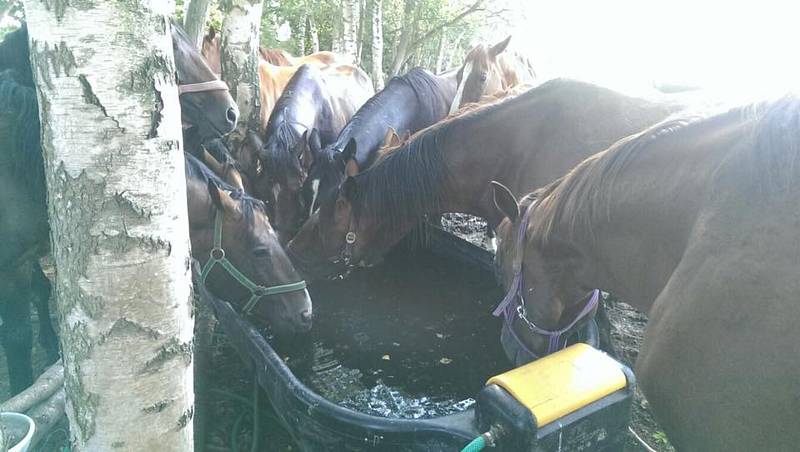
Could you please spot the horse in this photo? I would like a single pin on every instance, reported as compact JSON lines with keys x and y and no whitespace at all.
{"x":526,"y":141}
{"x":487,"y":70}
{"x":314,"y":100}
{"x":408,"y":103}
{"x":207,"y":109}
{"x":230,"y":228}
{"x":695,"y":223}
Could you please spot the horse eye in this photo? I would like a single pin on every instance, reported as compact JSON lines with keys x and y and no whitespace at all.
{"x":261,"y":252}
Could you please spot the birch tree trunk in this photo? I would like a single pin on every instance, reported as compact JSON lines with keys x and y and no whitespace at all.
{"x":440,"y":53}
{"x":405,"y":37}
{"x":111,"y":135}
{"x":377,"y":44}
{"x":313,"y":34}
{"x":240,"y":41}
{"x":194,"y":22}
{"x":301,"y":35}
{"x":350,"y":19}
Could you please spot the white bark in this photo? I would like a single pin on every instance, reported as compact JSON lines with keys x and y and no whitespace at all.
{"x":111,"y":134}
{"x":313,"y":34}
{"x":194,"y":20}
{"x":240,"y":41}
{"x":377,"y":44}
{"x":350,"y":20}
{"x":50,"y":381}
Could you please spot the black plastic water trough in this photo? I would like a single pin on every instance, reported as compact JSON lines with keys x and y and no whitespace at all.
{"x":315,"y":423}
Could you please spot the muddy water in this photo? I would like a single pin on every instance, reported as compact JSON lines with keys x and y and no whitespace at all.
{"x":413,"y":337}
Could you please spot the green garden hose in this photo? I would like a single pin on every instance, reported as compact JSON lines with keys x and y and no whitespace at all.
{"x":475,"y":445}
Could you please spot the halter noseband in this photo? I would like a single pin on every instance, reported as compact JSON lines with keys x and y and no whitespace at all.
{"x":217,"y":256}
{"x":211,"y":85}
{"x":556,"y":338}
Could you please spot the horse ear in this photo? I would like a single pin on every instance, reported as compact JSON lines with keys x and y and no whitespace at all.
{"x":351,"y":168}
{"x":498,"y":48}
{"x":314,"y":141}
{"x":391,"y":139}
{"x":504,"y":201}
{"x":349,"y":150}
{"x":349,"y":188}
{"x":222,"y":200}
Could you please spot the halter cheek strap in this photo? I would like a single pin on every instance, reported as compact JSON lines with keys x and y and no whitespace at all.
{"x":556,"y":338}
{"x":257,"y":292}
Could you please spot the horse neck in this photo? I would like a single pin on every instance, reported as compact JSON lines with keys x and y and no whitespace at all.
{"x":272,"y":81}
{"x":644,"y":216}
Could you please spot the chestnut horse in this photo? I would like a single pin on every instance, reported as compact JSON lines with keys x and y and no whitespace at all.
{"x":407,"y":104}
{"x":526,"y":141}
{"x":695,"y":223}
{"x":487,"y":70}
{"x":323,"y":101}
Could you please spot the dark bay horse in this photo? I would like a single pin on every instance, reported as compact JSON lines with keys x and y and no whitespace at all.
{"x":694,"y":222}
{"x":487,"y":70}
{"x":207,"y":109}
{"x":249,"y":243}
{"x":408,"y":103}
{"x":313,"y":100}
{"x":526,"y":141}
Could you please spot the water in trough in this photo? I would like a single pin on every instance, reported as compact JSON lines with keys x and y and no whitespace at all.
{"x":411,"y":338}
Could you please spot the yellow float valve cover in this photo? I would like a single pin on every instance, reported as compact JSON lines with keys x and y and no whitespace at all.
{"x":563,"y":382}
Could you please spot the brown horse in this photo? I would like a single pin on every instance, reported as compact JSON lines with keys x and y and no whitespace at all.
{"x":526,"y":141}
{"x":696,"y":224}
{"x":487,"y":70}
{"x":249,"y":244}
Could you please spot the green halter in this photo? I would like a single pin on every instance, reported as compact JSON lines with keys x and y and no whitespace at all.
{"x":217,"y":256}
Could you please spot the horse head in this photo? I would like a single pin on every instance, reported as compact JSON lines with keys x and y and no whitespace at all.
{"x":545,"y":300}
{"x":481,"y":73}
{"x":227,"y":225}
{"x":207,"y":109}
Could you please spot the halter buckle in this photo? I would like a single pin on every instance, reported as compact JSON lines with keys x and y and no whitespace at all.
{"x":217,"y":254}
{"x":350,"y":238}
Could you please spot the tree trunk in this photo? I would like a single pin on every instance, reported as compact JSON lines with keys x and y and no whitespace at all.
{"x":361,"y":35}
{"x":405,"y":37}
{"x":240,"y":41}
{"x":453,"y":54}
{"x":377,"y":44}
{"x":194,"y":22}
{"x":350,"y":19}
{"x":440,"y":53}
{"x":301,"y":34}
{"x":313,"y":34}
{"x":111,"y":136}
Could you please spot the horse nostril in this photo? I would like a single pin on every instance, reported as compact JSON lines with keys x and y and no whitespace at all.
{"x":232,"y":115}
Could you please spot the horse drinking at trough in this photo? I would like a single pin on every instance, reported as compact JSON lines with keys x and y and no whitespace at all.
{"x":407,"y":104}
{"x":695,"y":223}
{"x":313,"y":100}
{"x":526,"y":141}
{"x":488,"y":70}
{"x":207,"y":110}
{"x":248,"y":265}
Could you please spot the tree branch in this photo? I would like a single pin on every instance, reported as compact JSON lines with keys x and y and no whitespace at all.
{"x":7,"y":9}
{"x":48,"y":383}
{"x":475,"y":7}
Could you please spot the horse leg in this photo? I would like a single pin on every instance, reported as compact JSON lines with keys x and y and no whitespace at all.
{"x":16,"y":336}
{"x":41,"y":290}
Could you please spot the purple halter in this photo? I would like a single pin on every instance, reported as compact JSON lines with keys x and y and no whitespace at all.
{"x":556,"y":338}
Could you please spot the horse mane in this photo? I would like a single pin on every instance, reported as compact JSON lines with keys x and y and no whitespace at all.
{"x":19,"y":102}
{"x":14,"y":54}
{"x":195,"y":169}
{"x":276,"y":57}
{"x":583,"y":196}
{"x":281,"y":127}
{"x":405,"y":183}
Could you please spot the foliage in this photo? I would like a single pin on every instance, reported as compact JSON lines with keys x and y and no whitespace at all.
{"x":12,"y":21}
